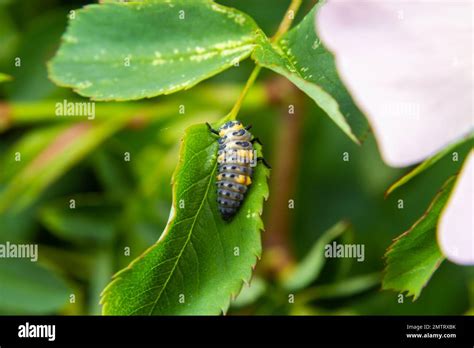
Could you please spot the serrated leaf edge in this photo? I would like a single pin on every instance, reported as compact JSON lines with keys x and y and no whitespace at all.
{"x":389,"y":250}
{"x":116,"y":277}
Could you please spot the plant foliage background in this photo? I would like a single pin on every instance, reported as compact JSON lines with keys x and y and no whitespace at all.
{"x":122,"y":206}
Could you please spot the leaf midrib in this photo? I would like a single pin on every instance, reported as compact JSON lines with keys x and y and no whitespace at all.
{"x":284,"y":55}
{"x":174,"y":57}
{"x":189,"y":235}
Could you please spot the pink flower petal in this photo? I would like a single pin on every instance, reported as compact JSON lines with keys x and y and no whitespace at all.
{"x":456,"y":225}
{"x":408,"y":65}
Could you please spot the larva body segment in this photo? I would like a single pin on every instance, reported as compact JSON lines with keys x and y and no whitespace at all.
{"x":235,"y":158}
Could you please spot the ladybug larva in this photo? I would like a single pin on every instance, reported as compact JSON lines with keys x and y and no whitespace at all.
{"x":235,"y":158}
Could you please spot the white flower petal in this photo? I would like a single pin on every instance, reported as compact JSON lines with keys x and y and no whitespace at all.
{"x":408,"y":65}
{"x":456,"y":224}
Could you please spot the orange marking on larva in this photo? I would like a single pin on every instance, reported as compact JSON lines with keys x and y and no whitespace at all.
{"x":243,"y":180}
{"x":233,"y":178}
{"x":230,"y":130}
{"x":240,"y":179}
{"x":248,"y":180}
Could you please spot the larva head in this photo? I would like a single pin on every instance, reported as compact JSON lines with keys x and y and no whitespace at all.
{"x":230,"y":126}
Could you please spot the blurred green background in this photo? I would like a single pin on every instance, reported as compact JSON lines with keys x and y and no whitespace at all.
{"x":124,"y":204}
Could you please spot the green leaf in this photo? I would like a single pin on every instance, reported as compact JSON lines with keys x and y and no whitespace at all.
{"x":101,"y":274}
{"x":81,"y":224}
{"x":65,"y":149}
{"x":9,"y":37}
{"x":343,"y":288}
{"x":137,"y":50}
{"x":4,"y":77}
{"x":113,"y":173}
{"x":77,"y":264}
{"x":23,"y":151}
{"x":30,"y":82}
{"x":195,"y":259}
{"x":250,"y":293}
{"x":17,"y":227}
{"x":57,"y":151}
{"x":415,"y":256}
{"x":427,"y":164}
{"x":301,"y":57}
{"x":310,"y":267}
{"x":29,"y":288}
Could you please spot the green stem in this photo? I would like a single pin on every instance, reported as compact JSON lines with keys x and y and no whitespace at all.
{"x":285,"y":24}
{"x":282,"y":29}
{"x":238,"y":104}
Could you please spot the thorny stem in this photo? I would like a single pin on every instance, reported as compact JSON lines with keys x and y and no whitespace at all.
{"x":282,"y":29}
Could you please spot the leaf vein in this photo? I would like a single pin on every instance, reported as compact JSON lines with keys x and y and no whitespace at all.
{"x":187,"y":240}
